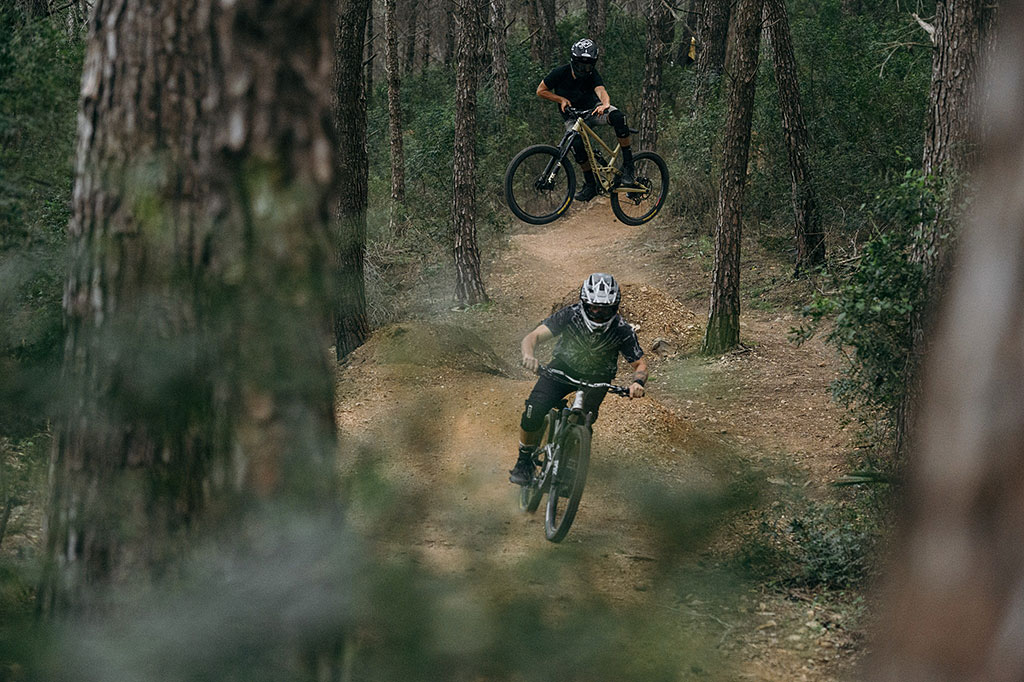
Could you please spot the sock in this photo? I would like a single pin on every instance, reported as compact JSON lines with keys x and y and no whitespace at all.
{"x":588,"y":178}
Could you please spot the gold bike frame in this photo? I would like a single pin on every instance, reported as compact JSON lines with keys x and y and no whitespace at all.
{"x":605,"y":174}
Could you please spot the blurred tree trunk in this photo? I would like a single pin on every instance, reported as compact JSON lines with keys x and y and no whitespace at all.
{"x":548,"y":33}
{"x":712,"y":32}
{"x":810,"y":239}
{"x":412,"y":25}
{"x":954,"y":598}
{"x":194,"y":370}
{"x":449,"y":33}
{"x":371,"y":55}
{"x":660,"y":26}
{"x":949,"y":152}
{"x":499,"y":67}
{"x":471,"y":18}
{"x":428,"y":35}
{"x":350,"y":324}
{"x":394,"y":113}
{"x":723,"y":331}
{"x":597,"y":20}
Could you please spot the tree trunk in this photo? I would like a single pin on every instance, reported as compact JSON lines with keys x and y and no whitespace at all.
{"x":194,"y":365}
{"x":371,"y":55}
{"x":659,"y":41}
{"x":712,"y":32}
{"x":350,"y":324}
{"x":810,"y":238}
{"x":597,"y":19}
{"x":499,"y":48}
{"x":948,"y":155}
{"x":394,"y":114}
{"x":723,"y":331}
{"x":411,"y":35}
{"x":548,"y":33}
{"x":469,"y":27}
{"x":688,"y":30}
{"x":953,"y":599}
{"x":428,"y":34}
{"x":449,"y":34}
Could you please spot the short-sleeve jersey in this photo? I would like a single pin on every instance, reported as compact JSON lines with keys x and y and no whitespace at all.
{"x":592,"y":355}
{"x":578,"y":90}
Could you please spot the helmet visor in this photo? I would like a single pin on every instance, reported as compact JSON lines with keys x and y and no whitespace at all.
{"x":600,"y":313}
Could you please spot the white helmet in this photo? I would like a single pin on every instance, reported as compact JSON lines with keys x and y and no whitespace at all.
{"x":600,"y":296}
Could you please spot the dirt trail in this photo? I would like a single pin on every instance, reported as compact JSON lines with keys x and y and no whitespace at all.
{"x":448,"y":433}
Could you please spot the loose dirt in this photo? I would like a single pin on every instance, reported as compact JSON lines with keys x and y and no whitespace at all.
{"x":434,"y":406}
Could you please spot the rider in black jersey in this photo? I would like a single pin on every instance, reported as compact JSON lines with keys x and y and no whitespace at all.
{"x":591,"y":335}
{"x":578,"y":84}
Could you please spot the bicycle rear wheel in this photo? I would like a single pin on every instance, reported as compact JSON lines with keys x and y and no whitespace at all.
{"x":636,"y":208}
{"x":530,"y":494}
{"x":539,"y":188}
{"x":567,"y":486}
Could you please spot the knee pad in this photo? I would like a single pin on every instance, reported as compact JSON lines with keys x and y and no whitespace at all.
{"x":533,"y":417}
{"x":579,"y":152}
{"x":618,"y":121}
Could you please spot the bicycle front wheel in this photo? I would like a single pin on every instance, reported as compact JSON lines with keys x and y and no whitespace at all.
{"x":639,"y":206}
{"x":567,"y":486}
{"x":539,"y":188}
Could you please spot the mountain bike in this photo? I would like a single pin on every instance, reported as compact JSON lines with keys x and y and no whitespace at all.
{"x":562,"y":458}
{"x":540,"y":182}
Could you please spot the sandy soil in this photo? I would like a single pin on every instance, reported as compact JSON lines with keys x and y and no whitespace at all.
{"x":442,"y":399}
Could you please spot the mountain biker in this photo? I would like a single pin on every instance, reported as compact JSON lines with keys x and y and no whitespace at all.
{"x":578,"y":84}
{"x":591,"y":334}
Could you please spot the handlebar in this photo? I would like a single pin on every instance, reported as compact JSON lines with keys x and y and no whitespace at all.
{"x":572,"y":112}
{"x":559,"y":374}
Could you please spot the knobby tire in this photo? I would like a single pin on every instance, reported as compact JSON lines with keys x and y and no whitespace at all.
{"x":532,"y":205}
{"x":621,"y":202}
{"x":567,"y":489}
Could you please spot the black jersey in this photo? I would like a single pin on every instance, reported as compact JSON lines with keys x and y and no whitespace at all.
{"x":579,"y":90}
{"x":591,"y":355}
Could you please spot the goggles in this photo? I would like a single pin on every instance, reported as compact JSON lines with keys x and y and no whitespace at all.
{"x":600,"y":313}
{"x":583,"y":67}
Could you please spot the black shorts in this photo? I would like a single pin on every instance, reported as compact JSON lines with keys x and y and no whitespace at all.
{"x":549,"y":392}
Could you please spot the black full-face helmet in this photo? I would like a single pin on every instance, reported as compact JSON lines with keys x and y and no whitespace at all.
{"x":583,"y":56}
{"x":600,"y":296}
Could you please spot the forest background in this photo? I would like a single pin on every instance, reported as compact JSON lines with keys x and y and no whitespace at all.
{"x":864,"y":73}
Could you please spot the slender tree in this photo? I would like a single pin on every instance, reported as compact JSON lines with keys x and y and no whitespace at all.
{"x":687,"y":30}
{"x":723,"y":331}
{"x":394,"y":112}
{"x":948,"y":155}
{"x":471,"y":18}
{"x":200,"y":239}
{"x":810,"y":238}
{"x":712,"y":34}
{"x":371,"y":54}
{"x":350,"y":323}
{"x":449,"y":32}
{"x":952,"y":605}
{"x":411,"y":35}
{"x":499,"y":50}
{"x":548,"y":33}
{"x":659,"y":40}
{"x":428,"y":34}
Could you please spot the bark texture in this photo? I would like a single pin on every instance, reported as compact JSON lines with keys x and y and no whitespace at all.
{"x":412,"y":11}
{"x":350,"y":322}
{"x":712,"y":33}
{"x":371,"y":54}
{"x":660,"y":27}
{"x":499,"y":50}
{"x":948,"y":155}
{"x":394,"y":111}
{"x":809,"y":236}
{"x":470,"y":20}
{"x":955,"y":593}
{"x":723,"y":330}
{"x":597,"y":19}
{"x":200,"y":246}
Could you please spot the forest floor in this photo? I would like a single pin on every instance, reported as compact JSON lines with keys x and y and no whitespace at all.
{"x":685,"y":521}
